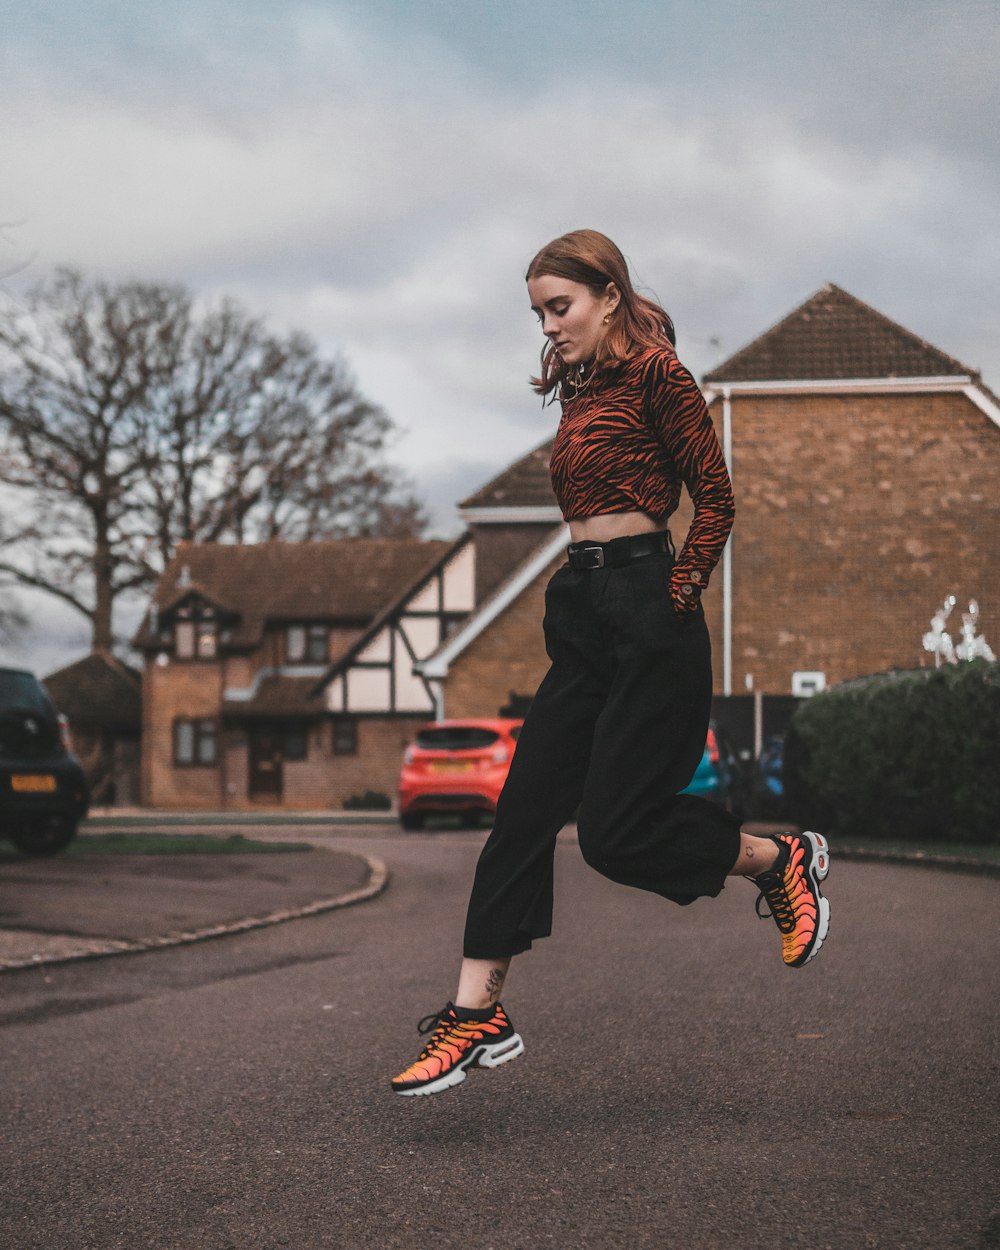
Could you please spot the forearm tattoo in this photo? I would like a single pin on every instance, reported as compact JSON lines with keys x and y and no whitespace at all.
{"x":494,"y":984}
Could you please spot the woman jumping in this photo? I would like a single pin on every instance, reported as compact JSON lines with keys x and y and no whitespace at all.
{"x":619,"y":723}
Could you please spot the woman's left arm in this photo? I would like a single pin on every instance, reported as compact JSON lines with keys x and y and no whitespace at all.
{"x":680,"y":417}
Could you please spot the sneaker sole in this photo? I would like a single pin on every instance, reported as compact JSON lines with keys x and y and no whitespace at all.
{"x":486,"y":1056}
{"x":819,"y":868}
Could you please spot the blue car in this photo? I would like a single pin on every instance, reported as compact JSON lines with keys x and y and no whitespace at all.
{"x":719,"y":775}
{"x":769,"y":801}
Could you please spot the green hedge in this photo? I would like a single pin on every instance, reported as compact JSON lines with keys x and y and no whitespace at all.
{"x":912,"y":755}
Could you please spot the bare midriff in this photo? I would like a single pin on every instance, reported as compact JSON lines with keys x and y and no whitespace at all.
{"x":601,"y":529}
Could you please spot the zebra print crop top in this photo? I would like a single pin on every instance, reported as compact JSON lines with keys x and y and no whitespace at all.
{"x":627,"y":442}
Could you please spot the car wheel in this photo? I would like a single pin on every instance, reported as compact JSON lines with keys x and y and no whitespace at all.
{"x":44,"y":837}
{"x":411,"y":821}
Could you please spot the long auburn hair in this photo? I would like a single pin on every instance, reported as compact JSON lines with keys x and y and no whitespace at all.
{"x":590,"y":258}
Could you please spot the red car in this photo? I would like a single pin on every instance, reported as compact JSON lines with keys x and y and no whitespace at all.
{"x":456,"y":766}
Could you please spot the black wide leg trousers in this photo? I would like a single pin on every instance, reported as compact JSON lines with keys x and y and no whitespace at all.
{"x":616,"y":729}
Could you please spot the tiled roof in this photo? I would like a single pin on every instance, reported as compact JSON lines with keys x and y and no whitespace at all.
{"x":349,"y":579}
{"x":98,"y":691}
{"x":523,"y":484}
{"x":834,"y":335}
{"x":277,"y":696}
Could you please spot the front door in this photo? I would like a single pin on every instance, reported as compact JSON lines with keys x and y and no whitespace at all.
{"x":265,"y":763}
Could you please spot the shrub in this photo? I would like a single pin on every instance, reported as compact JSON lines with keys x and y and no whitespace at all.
{"x":370,"y":801}
{"x":912,"y":755}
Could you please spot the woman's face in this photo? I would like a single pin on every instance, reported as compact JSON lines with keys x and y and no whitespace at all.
{"x":572,"y":316}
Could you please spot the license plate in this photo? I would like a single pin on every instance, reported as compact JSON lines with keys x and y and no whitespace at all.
{"x":33,"y":783}
{"x":452,"y":766}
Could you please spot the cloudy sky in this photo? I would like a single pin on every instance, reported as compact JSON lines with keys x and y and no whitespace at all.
{"x":378,"y":174}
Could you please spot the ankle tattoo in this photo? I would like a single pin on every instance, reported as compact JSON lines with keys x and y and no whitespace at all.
{"x":494,"y":984}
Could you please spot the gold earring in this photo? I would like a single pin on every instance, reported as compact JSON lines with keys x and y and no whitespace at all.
{"x":607,"y":319}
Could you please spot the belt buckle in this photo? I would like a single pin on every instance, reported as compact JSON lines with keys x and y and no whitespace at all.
{"x":593,"y":557}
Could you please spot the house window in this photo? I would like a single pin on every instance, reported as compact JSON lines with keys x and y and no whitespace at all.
{"x":295,"y":644}
{"x":184,"y":639}
{"x":296,"y":742}
{"x":195,"y":743}
{"x":206,"y":640}
{"x":307,"y":644}
{"x":195,"y":639}
{"x":345,"y":735}
{"x":317,"y":644}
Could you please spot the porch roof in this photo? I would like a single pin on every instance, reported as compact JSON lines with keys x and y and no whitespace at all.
{"x":276,"y":696}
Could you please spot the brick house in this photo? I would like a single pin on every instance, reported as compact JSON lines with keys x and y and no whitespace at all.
{"x":281,"y":674}
{"x":866,"y":464}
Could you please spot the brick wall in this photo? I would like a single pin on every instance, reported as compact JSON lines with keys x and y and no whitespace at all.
{"x":507,"y":657}
{"x":855,"y":516}
{"x":322,"y":781}
{"x":180,"y":688}
{"x":381,"y":742}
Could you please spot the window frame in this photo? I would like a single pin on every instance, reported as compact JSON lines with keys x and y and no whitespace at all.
{"x":300,"y":651}
{"x":312,"y":643}
{"x":206,"y":632}
{"x":204,"y":732}
{"x":194,"y":631}
{"x":337,"y":744}
{"x":188,"y":650}
{"x":295,"y":731}
{"x":317,"y":643}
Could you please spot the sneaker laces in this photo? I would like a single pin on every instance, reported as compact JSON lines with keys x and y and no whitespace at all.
{"x":436,"y":1017}
{"x":773,"y":892}
{"x":438,"y":1024}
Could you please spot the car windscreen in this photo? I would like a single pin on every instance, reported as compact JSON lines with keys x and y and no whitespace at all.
{"x":456,"y":738}
{"x":22,"y":691}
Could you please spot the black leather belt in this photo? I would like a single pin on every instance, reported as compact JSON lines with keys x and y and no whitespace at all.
{"x":591,"y":555}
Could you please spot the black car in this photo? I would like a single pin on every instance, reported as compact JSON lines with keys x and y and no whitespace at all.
{"x":43,"y":792}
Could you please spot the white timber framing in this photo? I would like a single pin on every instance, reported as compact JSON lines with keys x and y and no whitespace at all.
{"x":435,"y":667}
{"x":380,"y":675}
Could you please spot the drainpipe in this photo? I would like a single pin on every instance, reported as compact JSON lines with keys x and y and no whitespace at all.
{"x":727,"y":554}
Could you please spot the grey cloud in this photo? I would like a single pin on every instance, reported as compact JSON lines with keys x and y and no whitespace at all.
{"x":379,"y":175}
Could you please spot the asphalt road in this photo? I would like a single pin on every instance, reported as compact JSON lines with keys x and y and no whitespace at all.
{"x":680,"y":1089}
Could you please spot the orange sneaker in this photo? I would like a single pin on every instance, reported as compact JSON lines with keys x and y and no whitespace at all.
{"x":454,"y":1047}
{"x":791,"y":890}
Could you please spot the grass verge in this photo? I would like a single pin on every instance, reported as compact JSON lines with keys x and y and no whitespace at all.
{"x":176,"y":844}
{"x":985,"y":853}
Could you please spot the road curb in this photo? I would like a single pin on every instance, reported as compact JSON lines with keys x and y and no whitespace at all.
{"x":378,"y":879}
{"x":917,"y":859}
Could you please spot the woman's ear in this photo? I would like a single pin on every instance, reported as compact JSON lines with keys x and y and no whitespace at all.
{"x":613,"y":296}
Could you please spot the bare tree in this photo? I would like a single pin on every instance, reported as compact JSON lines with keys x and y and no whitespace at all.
{"x":13,"y":620}
{"x":130,"y":420}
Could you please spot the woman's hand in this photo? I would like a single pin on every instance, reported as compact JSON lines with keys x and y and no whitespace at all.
{"x":685,"y":594}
